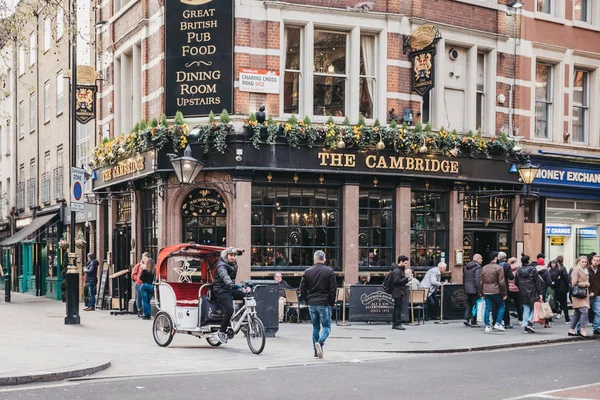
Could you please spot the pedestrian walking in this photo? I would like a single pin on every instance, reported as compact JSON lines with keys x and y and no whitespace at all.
{"x":147,"y":277}
{"x":513,"y":291}
{"x":580,"y":277}
{"x":91,"y":277}
{"x":508,"y":276}
{"x":494,"y":291}
{"x":397,"y":282}
{"x":544,"y":273}
{"x":561,"y":286}
{"x":472,"y":285}
{"x":318,"y":288}
{"x":137,"y":282}
{"x":594,"y":271}
{"x":530,"y":287}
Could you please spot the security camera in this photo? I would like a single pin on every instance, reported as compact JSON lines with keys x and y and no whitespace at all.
{"x":238,"y":158}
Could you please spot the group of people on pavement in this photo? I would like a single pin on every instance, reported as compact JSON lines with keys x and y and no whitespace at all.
{"x":502,"y":282}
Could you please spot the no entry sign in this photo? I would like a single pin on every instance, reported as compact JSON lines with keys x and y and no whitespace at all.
{"x":77,"y":178}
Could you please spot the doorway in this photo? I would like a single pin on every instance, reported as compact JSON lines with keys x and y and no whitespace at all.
{"x":484,"y":242}
{"x":121,"y":245}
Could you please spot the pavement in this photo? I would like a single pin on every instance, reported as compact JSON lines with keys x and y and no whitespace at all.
{"x":39,"y":347}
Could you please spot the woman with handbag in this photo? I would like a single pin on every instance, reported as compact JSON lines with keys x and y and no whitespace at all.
{"x":580,"y":281}
{"x":531,"y":288}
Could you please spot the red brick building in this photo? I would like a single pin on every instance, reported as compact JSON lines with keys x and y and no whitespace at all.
{"x":529,"y":72}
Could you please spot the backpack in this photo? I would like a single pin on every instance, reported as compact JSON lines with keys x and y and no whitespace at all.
{"x":387,"y":283}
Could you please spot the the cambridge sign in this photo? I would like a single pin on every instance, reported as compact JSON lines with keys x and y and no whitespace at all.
{"x":199,"y":56}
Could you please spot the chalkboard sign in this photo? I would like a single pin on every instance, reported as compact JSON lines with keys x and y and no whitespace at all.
{"x":102,"y":289}
{"x":455,"y":301}
{"x":370,"y":303}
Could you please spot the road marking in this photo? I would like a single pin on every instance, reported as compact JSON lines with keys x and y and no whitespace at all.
{"x":548,"y":394}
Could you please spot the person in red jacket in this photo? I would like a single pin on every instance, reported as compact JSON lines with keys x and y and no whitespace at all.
{"x":136,"y":275}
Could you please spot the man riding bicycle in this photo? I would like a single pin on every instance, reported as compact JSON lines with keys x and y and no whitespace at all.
{"x":225,"y":289}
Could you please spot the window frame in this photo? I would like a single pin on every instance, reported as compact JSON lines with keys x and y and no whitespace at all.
{"x":60,"y":23}
{"x":389,"y":229}
{"x":372,"y":77}
{"x":82,"y":144}
{"x":285,"y":207}
{"x":589,"y":9}
{"x":582,"y":107}
{"x":47,"y":34}
{"x":32,"y":49}
{"x":47,"y":101}
{"x":444,"y":199}
{"x":21,"y":112}
{"x":345,"y":76}
{"x":548,"y":103}
{"x":21,"y":60}
{"x":60,"y":92}
{"x":32,"y":112}
{"x":293,"y":71}
{"x":480,"y":97}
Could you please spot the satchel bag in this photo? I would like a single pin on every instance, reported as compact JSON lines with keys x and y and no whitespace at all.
{"x":578,"y":292}
{"x":480,"y":310}
{"x":537,"y":314}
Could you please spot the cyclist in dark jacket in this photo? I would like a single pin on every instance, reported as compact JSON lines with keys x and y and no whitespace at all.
{"x":225,"y":288}
{"x":472,"y":284}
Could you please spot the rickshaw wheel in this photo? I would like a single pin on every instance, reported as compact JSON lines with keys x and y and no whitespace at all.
{"x":255,"y":335}
{"x":163,"y":329}
{"x":213,"y":341}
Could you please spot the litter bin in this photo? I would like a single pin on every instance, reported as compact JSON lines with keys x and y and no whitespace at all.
{"x":267,"y":304}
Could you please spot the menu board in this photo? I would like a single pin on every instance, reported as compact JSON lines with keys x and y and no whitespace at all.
{"x":199,"y":57}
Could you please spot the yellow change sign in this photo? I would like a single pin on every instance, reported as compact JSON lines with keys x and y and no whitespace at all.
{"x":557,"y":240}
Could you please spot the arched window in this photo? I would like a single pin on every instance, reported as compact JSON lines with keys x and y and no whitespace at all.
{"x":204,"y":218}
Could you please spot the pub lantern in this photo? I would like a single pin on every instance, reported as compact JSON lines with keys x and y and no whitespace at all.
{"x":186,"y":167}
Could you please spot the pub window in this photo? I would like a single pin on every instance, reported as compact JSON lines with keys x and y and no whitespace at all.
{"x":480,"y":93}
{"x":500,"y":209}
{"x":150,"y":223}
{"x":329,"y":74}
{"x":292,"y":79}
{"x":204,"y":218}
{"x":428,"y":229}
{"x":376,"y":228}
{"x":471,"y":208}
{"x":290,"y":223}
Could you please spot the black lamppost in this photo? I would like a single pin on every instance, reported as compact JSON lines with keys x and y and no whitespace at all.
{"x":72,"y":276}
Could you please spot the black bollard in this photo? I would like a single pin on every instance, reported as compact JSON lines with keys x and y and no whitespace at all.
{"x":72,"y":317}
{"x":7,"y":288}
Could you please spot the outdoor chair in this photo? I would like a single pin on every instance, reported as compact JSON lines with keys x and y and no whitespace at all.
{"x":292,"y":303}
{"x":418,"y":299}
{"x":339,"y":303}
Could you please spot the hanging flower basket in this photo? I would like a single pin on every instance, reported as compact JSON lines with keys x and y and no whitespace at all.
{"x":80,"y":242}
{"x":63,"y":243}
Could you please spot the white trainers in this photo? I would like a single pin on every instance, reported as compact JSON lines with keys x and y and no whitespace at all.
{"x":319,"y":350}
{"x":222,"y":337}
{"x":499,"y":327}
{"x":488,"y":329}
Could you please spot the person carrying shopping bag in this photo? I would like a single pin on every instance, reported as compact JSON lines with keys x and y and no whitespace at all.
{"x":580,"y":296}
{"x":531,"y":288}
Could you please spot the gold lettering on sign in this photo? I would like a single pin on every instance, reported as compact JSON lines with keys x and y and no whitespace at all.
{"x":124,"y":168}
{"x":389,"y":162}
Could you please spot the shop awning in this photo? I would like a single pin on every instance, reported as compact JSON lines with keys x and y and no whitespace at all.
{"x":28,"y":230}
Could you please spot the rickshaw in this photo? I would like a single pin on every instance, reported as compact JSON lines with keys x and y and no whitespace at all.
{"x":186,"y":306}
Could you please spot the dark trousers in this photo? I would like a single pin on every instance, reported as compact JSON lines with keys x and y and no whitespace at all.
{"x":396,"y":317}
{"x":516,"y":298}
{"x":225,"y":300}
{"x":561,"y":303}
{"x":471,"y":301}
{"x":506,"y":316}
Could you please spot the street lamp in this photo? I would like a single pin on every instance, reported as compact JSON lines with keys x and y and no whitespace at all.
{"x":527,"y":173}
{"x":186,"y":167}
{"x":515,"y":4}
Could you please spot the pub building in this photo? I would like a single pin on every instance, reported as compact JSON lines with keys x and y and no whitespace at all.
{"x":281,"y":201}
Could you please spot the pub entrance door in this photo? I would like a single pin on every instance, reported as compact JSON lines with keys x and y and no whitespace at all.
{"x":121,"y":246}
{"x":484,"y":242}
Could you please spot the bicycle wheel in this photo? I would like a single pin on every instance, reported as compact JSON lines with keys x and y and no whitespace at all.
{"x":213,"y":341}
{"x":163,"y":329}
{"x":256,"y":335}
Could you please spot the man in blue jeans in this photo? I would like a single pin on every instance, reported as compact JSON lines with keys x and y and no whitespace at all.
{"x":318,"y":288}
{"x":91,"y":276}
{"x":493,"y":286}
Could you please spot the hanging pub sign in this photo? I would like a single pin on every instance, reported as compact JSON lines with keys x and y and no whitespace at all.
{"x":423,"y":67}
{"x":199,"y":56}
{"x":421,"y":43}
{"x":85,"y":108}
{"x":204,"y":203}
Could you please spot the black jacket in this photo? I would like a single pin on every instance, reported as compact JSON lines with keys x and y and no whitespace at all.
{"x":508,"y":274}
{"x":318,"y":286}
{"x":224,"y":276}
{"x":398,"y":282}
{"x":147,"y":276}
{"x":472,"y":278}
{"x":283,"y":285}
{"x":91,"y":274}
{"x":560,"y":279}
{"x":531,"y":287}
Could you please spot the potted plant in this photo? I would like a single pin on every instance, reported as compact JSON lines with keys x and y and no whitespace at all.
{"x":80,"y":241}
{"x":86,"y":295}
{"x":63,"y":243}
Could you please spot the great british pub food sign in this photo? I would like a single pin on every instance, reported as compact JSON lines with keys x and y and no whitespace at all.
{"x":199,"y":56}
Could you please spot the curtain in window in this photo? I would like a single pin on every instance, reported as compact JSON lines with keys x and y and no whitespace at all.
{"x":367,"y":45}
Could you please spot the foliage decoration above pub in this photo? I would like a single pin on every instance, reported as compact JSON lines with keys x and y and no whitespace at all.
{"x":296,"y":133}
